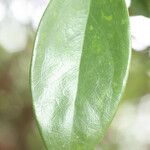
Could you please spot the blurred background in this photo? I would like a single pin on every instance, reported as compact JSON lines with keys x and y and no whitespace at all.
{"x":19,"y":20}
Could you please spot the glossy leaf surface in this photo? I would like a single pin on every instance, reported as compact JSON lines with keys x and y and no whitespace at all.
{"x":79,"y":70}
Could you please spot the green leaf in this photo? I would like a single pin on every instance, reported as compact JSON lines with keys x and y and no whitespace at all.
{"x":79,"y":70}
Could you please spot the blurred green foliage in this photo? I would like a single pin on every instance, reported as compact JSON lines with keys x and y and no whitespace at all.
{"x":138,"y":81}
{"x":140,"y":7}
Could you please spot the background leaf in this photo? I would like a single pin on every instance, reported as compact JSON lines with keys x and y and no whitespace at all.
{"x":79,"y":69}
{"x":140,"y":7}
